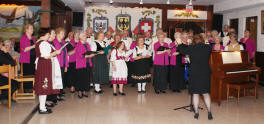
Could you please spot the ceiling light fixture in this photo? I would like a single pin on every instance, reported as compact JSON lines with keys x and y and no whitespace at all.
{"x":168,"y":2}
{"x":141,"y":2}
{"x":90,"y":1}
{"x":189,"y":7}
{"x":111,"y":1}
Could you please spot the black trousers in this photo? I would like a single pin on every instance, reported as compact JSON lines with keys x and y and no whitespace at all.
{"x":28,"y":69}
{"x":160,"y":79}
{"x":4,"y":81}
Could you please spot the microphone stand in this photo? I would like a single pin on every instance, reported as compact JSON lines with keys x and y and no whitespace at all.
{"x":190,"y":106}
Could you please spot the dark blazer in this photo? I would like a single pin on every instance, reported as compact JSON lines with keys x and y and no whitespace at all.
{"x":199,"y":67}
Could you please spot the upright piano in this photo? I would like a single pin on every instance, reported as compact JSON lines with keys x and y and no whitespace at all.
{"x":229,"y":67}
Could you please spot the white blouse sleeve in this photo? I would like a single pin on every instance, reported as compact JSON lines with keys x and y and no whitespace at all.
{"x":241,"y":47}
{"x":113,"y":55}
{"x":134,"y":53}
{"x":45,"y":49}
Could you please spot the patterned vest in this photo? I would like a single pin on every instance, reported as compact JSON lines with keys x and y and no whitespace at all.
{"x":236,"y":48}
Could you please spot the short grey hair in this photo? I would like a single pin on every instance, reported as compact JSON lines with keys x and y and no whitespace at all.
{"x":82,"y":33}
{"x":7,"y":42}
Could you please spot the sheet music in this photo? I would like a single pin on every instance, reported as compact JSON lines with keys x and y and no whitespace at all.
{"x":64,"y":45}
{"x":231,"y":57}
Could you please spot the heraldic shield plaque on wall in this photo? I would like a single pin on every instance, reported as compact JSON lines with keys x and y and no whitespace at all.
{"x":100,"y":24}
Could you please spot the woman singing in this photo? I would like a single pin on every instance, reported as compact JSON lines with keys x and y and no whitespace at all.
{"x":217,"y":46}
{"x":63,"y":56}
{"x":27,"y":51}
{"x":141,"y":74}
{"x":101,"y":65}
{"x":83,"y":66}
{"x":71,"y":74}
{"x":161,"y":62}
{"x":176,"y":66}
{"x":118,"y":60}
{"x":199,"y":72}
{"x":46,"y":80}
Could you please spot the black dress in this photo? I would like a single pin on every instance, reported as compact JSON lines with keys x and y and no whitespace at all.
{"x":141,"y":73}
{"x":199,"y":67}
{"x":101,"y":69}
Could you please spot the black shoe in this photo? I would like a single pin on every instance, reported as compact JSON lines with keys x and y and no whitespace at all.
{"x":72,"y":91}
{"x":60,"y":99}
{"x":80,"y":96}
{"x":139,"y":91}
{"x":85,"y":95}
{"x":50,"y":106}
{"x":133,"y":85}
{"x":99,"y":92}
{"x":174,"y":91}
{"x":163,"y":91}
{"x":122,"y":94}
{"x":45,"y":112}
{"x":157,"y":92}
{"x":62,"y":92}
{"x":143,"y":91}
{"x":115,"y":94}
{"x":196,"y":116}
{"x":210,"y":116}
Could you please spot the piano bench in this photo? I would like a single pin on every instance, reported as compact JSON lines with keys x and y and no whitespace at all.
{"x":241,"y":86}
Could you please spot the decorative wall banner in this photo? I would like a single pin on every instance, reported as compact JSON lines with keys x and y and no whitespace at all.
{"x":182,"y":14}
{"x":13,"y":18}
{"x":146,"y":25}
{"x":100,"y":24}
{"x":118,"y":17}
{"x":123,"y":22}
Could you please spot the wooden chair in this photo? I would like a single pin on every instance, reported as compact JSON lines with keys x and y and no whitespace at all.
{"x":7,"y":69}
{"x":245,"y":86}
{"x":20,"y":94}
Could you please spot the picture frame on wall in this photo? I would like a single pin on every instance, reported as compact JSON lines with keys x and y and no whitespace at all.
{"x":262,"y":22}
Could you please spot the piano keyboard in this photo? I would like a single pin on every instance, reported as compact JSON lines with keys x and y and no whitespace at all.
{"x":233,"y":72}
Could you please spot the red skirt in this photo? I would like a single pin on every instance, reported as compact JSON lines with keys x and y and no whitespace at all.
{"x":43,"y":78}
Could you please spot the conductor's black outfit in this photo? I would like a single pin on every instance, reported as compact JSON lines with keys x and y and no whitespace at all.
{"x":199,"y":67}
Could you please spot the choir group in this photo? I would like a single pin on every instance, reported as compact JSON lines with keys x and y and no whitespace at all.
{"x":86,"y":60}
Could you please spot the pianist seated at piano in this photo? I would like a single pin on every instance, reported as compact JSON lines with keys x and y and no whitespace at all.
{"x":200,"y":72}
{"x":217,"y":46}
{"x":233,"y":45}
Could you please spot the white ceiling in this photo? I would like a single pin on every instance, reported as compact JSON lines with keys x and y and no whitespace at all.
{"x":78,"y":5}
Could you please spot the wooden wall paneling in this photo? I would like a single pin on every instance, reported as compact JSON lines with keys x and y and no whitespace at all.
{"x":260,"y":63}
{"x":22,"y":2}
{"x":61,"y":15}
{"x":45,"y":16}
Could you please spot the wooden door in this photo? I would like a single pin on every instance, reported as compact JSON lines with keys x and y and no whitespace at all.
{"x":252,"y":26}
{"x":234,"y":24}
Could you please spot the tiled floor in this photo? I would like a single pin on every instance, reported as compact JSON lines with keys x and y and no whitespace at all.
{"x":136,"y":109}
{"x":18,"y":112}
{"x":148,"y":109}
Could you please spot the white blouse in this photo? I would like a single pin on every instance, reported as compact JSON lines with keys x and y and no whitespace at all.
{"x":45,"y":49}
{"x":143,"y":52}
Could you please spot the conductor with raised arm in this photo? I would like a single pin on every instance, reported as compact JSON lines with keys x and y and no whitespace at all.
{"x":199,"y":72}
